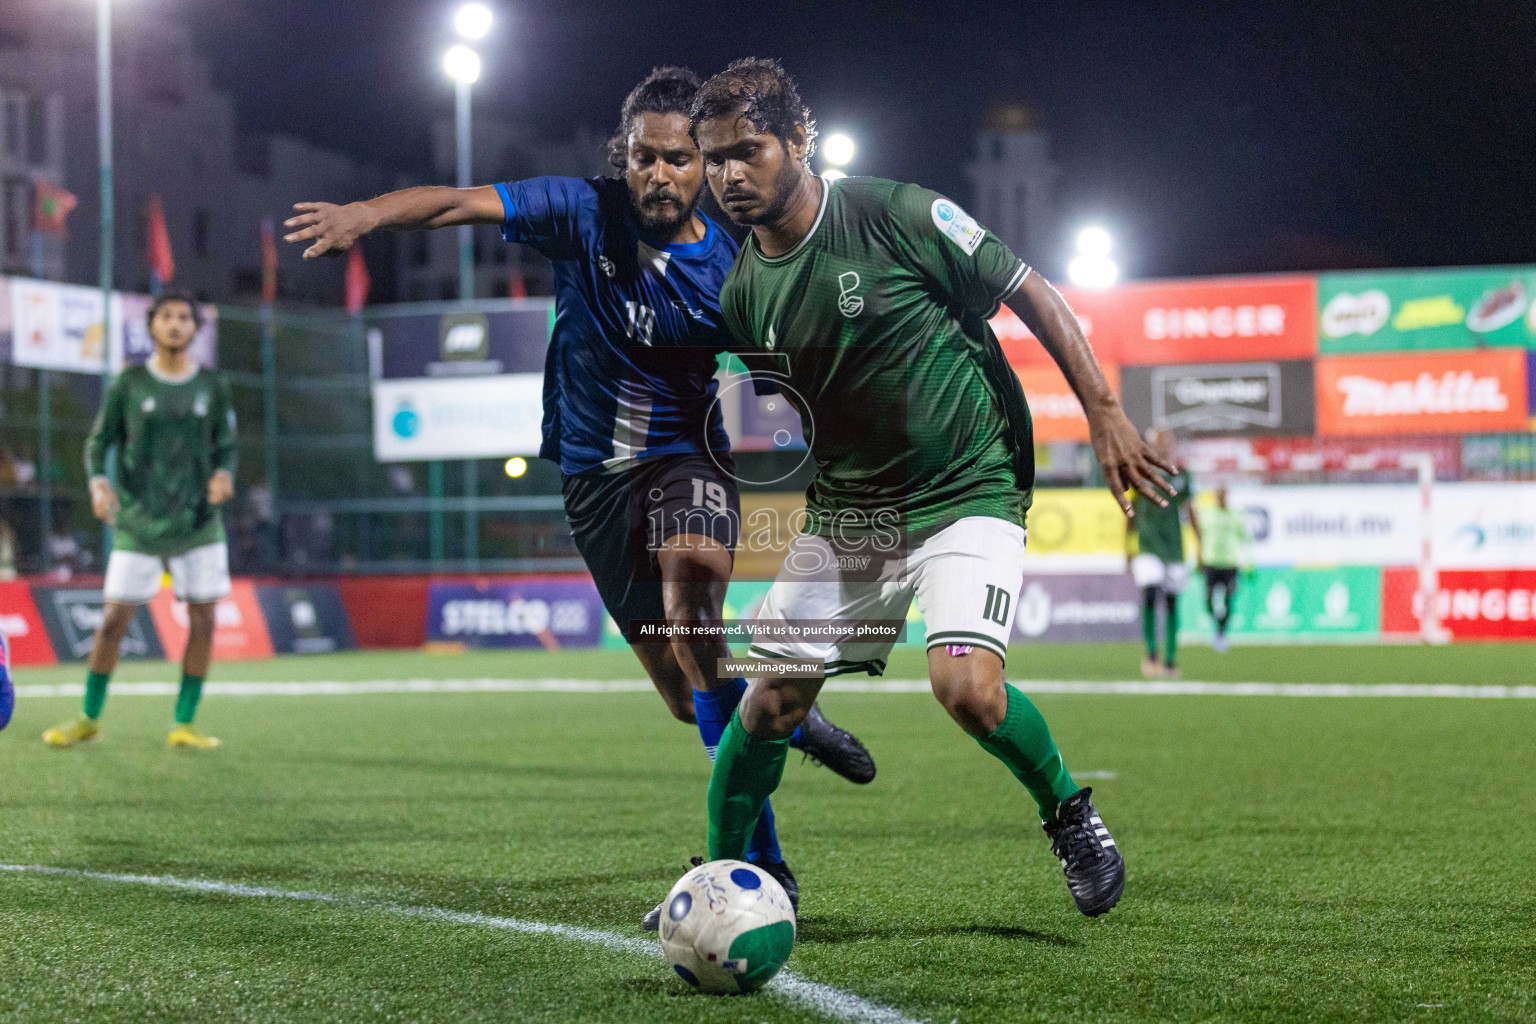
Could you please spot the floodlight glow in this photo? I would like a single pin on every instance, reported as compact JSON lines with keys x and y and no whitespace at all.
{"x":1094,"y":242}
{"x":462,"y":64}
{"x":516,"y":466}
{"x":833,"y":175}
{"x":837,"y":148}
{"x":472,"y":21}
{"x":1093,"y":272}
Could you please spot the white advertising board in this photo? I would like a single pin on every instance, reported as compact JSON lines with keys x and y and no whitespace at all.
{"x":457,"y":418}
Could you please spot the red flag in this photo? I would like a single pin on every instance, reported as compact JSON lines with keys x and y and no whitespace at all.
{"x":50,"y":206}
{"x":516,"y":287}
{"x":357,"y":280}
{"x":158,"y":247}
{"x":268,"y":261}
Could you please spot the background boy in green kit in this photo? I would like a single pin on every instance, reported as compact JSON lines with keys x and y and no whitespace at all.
{"x":173,"y":426}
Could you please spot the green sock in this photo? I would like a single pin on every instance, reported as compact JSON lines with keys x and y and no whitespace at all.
{"x":186,"y":700}
{"x":95,"y":692}
{"x":1171,"y":629}
{"x":747,"y":770}
{"x":1149,"y":622}
{"x":1023,"y":743}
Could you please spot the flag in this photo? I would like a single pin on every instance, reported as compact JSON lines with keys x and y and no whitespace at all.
{"x":357,"y":280}
{"x":50,"y":206}
{"x":268,"y":261}
{"x":158,"y":245}
{"x":517,"y":288}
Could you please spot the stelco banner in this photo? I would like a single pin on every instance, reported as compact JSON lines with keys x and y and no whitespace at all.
{"x":513,"y":612}
{"x":1427,"y":309}
{"x":1422,"y":393}
{"x":1221,"y":398}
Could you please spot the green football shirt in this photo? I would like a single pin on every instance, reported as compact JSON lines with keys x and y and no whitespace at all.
{"x":876,"y":323}
{"x":1159,"y":530}
{"x":171,"y":436}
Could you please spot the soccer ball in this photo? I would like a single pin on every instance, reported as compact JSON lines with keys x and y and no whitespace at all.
{"x":727,"y":927}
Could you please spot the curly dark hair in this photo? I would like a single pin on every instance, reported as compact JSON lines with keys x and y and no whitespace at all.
{"x":759,"y":89}
{"x":668,"y":90}
{"x":176,"y":295}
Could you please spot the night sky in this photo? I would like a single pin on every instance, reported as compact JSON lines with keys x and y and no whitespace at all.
{"x":1208,"y":137}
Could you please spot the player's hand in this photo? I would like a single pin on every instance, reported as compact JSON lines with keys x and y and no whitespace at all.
{"x":103,"y":501}
{"x":221,"y":487}
{"x":1127,"y":460}
{"x":333,"y":228}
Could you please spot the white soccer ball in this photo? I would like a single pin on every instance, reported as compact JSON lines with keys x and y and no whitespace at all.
{"x":727,"y":926}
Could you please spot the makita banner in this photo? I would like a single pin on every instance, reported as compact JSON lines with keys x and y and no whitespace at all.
{"x":516,"y":612}
{"x":1422,"y":393}
{"x":1221,"y":398}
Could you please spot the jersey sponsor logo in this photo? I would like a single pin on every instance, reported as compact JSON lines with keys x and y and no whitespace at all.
{"x":849,"y":304}
{"x":958,"y":226}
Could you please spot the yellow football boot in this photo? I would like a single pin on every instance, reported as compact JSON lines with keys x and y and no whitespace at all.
{"x":81,"y":730}
{"x":183,"y":736}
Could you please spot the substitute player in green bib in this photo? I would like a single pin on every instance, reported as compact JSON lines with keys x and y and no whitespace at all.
{"x":1158,"y":566}
{"x":867,"y":301}
{"x":1225,"y":550}
{"x":173,"y":425}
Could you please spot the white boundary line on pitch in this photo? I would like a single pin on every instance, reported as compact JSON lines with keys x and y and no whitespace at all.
{"x":1128,"y":687}
{"x":824,"y":999}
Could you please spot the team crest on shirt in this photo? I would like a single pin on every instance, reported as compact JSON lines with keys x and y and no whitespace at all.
{"x":200,"y":404}
{"x":148,"y":406}
{"x":848,"y":304}
{"x":605,"y":265}
{"x":957,"y":225}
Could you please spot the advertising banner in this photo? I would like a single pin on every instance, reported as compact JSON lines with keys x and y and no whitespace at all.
{"x":1497,"y":454}
{"x":1053,"y":406}
{"x":23,"y":626}
{"x":461,"y":344}
{"x":1218,"y":319}
{"x":57,"y":326}
{"x":1293,"y":605}
{"x":72,"y":615}
{"x":1474,"y":604}
{"x":239,"y":629}
{"x":457,"y":417}
{"x":305,"y":619}
{"x":1428,"y":393}
{"x":1394,"y":311}
{"x":1075,"y":530}
{"x":1100,"y":607}
{"x":1221,"y":398}
{"x":510,"y":612}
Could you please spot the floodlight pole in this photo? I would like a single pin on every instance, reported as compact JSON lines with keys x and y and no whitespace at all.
{"x":466,"y":294}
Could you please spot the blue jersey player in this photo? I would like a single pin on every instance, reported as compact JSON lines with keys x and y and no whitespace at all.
{"x":629,"y":410}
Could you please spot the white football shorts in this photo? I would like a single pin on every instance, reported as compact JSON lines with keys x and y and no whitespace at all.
{"x":199,"y":576}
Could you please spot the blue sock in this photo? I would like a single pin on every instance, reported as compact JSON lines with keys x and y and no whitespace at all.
{"x":713,"y":709}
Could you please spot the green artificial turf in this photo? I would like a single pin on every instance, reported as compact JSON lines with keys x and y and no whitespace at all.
{"x":1290,"y":859}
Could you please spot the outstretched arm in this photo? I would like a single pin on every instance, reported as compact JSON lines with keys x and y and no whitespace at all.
{"x":334,"y":228}
{"x":1126,"y":459}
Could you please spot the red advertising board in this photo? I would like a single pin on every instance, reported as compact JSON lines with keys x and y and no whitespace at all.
{"x":239,"y":631}
{"x":1053,"y":407}
{"x":1422,"y":393}
{"x":23,"y":626}
{"x":1221,"y":319}
{"x":1471,"y":604}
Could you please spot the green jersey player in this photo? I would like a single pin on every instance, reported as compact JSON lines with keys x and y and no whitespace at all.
{"x":173,"y":425}
{"x":1158,"y":565}
{"x":869,"y":301}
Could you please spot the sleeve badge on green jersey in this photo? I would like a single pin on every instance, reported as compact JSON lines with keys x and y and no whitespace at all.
{"x":957,"y":225}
